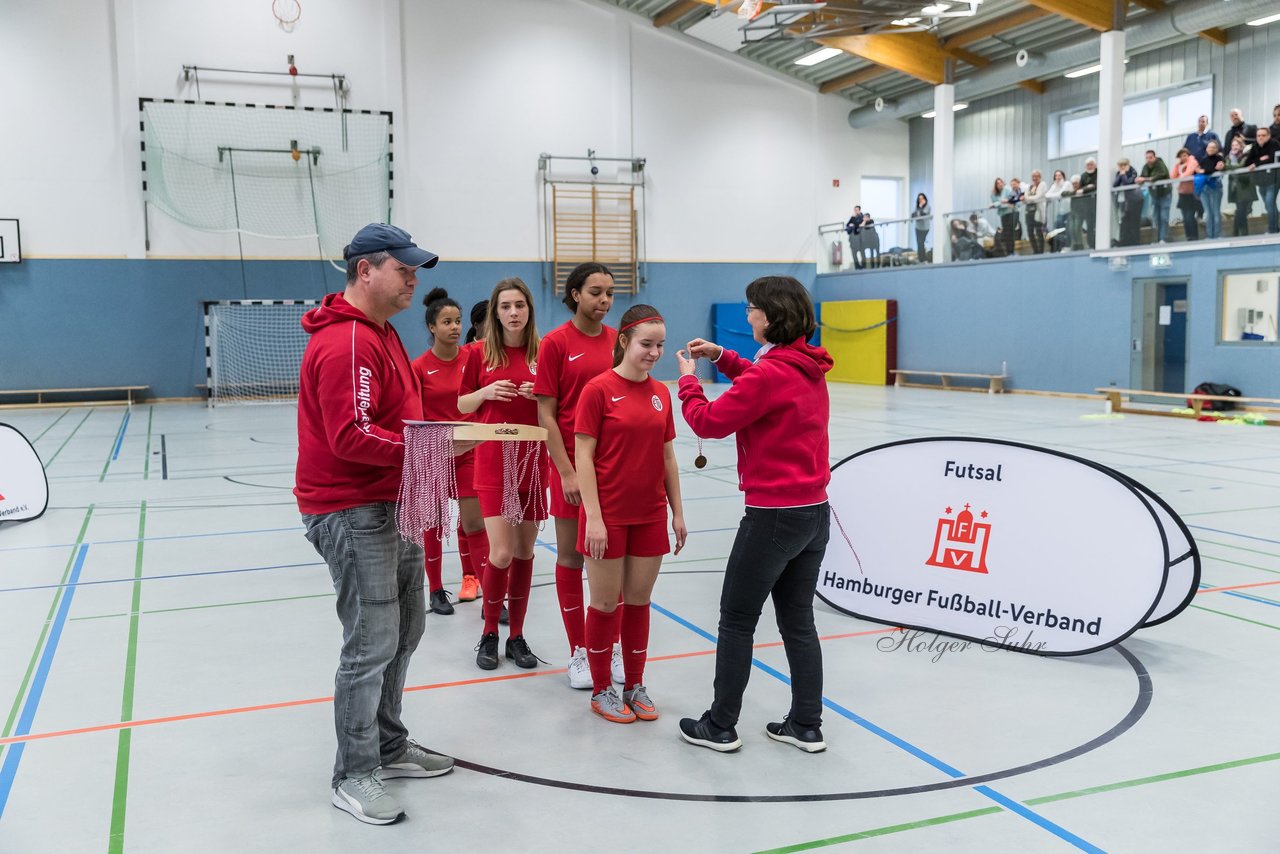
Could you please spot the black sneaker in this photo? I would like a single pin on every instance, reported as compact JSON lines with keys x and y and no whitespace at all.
{"x":704,"y":733}
{"x":519,"y":652}
{"x":807,"y":738}
{"x":504,"y":619}
{"x":487,"y":652}
{"x":440,"y":602}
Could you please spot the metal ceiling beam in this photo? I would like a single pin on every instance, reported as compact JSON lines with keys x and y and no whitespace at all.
{"x":994,"y":27}
{"x":675,"y":12}
{"x":847,"y":81}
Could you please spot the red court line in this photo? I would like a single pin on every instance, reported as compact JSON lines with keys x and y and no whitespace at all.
{"x":311,"y":701}
{"x":1236,"y":587}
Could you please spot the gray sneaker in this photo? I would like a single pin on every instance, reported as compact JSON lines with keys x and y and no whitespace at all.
{"x":416,"y":761}
{"x":367,"y":800}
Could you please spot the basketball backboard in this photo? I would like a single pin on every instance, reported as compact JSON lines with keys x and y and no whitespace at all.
{"x":10,"y":244}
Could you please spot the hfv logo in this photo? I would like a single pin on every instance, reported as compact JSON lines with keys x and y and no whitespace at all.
{"x":960,"y":543}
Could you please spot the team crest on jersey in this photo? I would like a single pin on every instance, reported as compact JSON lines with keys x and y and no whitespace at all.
{"x":657,"y":402}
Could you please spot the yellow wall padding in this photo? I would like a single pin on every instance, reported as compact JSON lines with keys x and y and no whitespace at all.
{"x":862,"y":336}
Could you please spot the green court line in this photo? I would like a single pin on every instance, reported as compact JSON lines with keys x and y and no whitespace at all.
{"x":1240,"y":563}
{"x":115,"y":841}
{"x":1046,"y":799}
{"x":44,"y":630}
{"x":146,"y":460}
{"x":1237,"y":510}
{"x":51,"y":426}
{"x":1237,"y":548}
{"x":1237,"y":617}
{"x":112,"y":450}
{"x":68,"y":439}
{"x":213,"y":605}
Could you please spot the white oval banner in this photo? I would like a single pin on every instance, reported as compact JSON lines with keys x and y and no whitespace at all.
{"x":1006,"y":544}
{"x":24,"y":490}
{"x":1184,"y":560}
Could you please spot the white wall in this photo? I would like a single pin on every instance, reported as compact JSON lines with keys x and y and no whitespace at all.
{"x":740,"y":162}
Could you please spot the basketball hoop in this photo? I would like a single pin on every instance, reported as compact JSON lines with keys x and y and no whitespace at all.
{"x":287,"y":13}
{"x":428,"y":483}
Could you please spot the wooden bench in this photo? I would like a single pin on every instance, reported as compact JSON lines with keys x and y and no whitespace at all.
{"x":1195,"y":402}
{"x":995,"y":381}
{"x":41,"y":393}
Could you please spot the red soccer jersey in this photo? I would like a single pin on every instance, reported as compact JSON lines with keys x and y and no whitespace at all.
{"x":631,"y":423}
{"x":567,"y":360}
{"x":440,"y":383}
{"x":519,"y":410}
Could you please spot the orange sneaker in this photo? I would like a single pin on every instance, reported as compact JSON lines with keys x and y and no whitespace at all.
{"x":470,"y":589}
{"x":638,"y":700}
{"x":608,"y":705}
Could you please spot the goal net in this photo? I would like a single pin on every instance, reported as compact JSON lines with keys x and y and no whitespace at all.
{"x":276,"y":172}
{"x":253,"y":349}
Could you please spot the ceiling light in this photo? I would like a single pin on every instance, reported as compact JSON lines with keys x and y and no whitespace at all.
{"x":1262,"y":22}
{"x":935,"y":9}
{"x":1085,"y":72}
{"x":955,"y":108}
{"x":819,"y":55}
{"x":905,"y":22}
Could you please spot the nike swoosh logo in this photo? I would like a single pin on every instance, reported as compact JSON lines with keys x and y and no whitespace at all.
{"x":567,"y":610}
{"x":639,"y":651}
{"x":616,"y":399}
{"x":579,"y":356}
{"x":436,"y":371}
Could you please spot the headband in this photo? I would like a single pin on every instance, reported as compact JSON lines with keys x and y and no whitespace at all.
{"x":654,"y":319}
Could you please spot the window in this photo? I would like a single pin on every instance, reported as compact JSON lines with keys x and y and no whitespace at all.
{"x":1140,"y":120}
{"x":1250,"y":300}
{"x":1184,"y":108}
{"x":1078,"y":134}
{"x":1147,"y":116}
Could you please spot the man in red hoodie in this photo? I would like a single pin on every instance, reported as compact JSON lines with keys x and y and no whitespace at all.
{"x":357,"y":389}
{"x":779,"y":409}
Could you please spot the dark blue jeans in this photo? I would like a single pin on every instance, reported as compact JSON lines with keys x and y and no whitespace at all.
{"x":378,"y":579}
{"x":777,"y":553}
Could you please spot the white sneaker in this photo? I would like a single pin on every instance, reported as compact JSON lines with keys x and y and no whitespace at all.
{"x":617,"y":671}
{"x":579,"y":670}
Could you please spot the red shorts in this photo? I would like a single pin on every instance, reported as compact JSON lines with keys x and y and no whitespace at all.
{"x":644,"y":539}
{"x":491,"y":504}
{"x":465,"y":466}
{"x":560,"y":508}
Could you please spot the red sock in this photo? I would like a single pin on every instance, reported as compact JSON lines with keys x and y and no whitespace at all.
{"x":635,"y":643}
{"x":617,"y":635}
{"x":600,"y":630}
{"x":432,"y":551}
{"x":569,"y":591}
{"x":518,"y":593}
{"x":479,"y":553}
{"x":495,"y":591}
{"x":464,"y":552}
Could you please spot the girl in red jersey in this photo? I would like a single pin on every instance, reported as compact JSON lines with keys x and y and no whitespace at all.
{"x":497,"y":385}
{"x":627,"y":474}
{"x":568,"y":357}
{"x":439,"y":371}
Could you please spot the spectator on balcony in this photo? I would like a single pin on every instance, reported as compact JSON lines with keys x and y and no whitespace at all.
{"x":1186,"y":167}
{"x":1240,"y":187}
{"x":1275,"y":122}
{"x":1081,"y":207}
{"x":1008,"y":213}
{"x":1265,"y":153}
{"x":921,"y":215}
{"x":1156,"y":170}
{"x":1196,"y":142}
{"x":983,"y":233}
{"x":1239,"y":128}
{"x":1210,"y":167}
{"x":1128,"y":203}
{"x":1089,"y":188}
{"x":1057,"y":199}
{"x":1037,"y":208}
{"x":964,"y":242}
{"x":853,"y":227}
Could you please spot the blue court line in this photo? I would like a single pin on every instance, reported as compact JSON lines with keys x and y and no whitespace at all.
{"x":1240,"y":595}
{"x":1234,"y":534}
{"x":14,"y":755}
{"x":124,"y":425}
{"x":1004,"y":801}
{"x":73,"y":584}
{"x":132,"y":540}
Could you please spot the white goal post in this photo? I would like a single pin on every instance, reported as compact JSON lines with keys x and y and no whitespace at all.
{"x":253,"y":350}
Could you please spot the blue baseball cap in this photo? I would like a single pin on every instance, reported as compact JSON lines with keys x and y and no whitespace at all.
{"x":381,"y":237}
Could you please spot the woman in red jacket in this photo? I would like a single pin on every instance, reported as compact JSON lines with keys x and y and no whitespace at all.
{"x":568,"y":357}
{"x":778,"y":408}
{"x":439,"y":370}
{"x":497,"y":385}
{"x":627,"y":475}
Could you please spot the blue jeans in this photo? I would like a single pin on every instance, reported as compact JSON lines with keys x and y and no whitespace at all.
{"x":1268,"y":193}
{"x":378,"y":579}
{"x":777,"y":553}
{"x":1160,"y":216}
{"x":1211,"y":198}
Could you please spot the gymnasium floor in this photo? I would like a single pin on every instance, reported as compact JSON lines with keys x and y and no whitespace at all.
{"x":169,"y":587}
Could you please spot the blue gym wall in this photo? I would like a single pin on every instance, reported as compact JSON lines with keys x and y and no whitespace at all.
{"x":1061,"y":324}
{"x":97,"y":322}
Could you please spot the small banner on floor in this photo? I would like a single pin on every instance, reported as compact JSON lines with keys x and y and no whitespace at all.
{"x":1005,"y":544}
{"x":24,"y":490}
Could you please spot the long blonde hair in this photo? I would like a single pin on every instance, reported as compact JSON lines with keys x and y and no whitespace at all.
{"x":495,"y":354}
